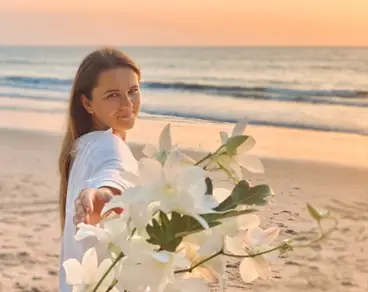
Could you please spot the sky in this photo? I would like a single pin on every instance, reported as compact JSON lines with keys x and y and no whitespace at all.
{"x":184,"y":22}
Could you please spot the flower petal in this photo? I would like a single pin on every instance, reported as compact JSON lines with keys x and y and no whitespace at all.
{"x":149,"y":170}
{"x":224,"y":137}
{"x":135,"y":277}
{"x":138,"y":249}
{"x":165,"y":141}
{"x":89,"y":265}
{"x":87,"y":230}
{"x":248,"y":270}
{"x":235,"y":245}
{"x":73,"y":272}
{"x":251,"y":162}
{"x":162,"y":256}
{"x":247,"y":145}
{"x":257,"y":236}
{"x":192,"y":178}
{"x":213,"y":244}
{"x":263,"y":268}
{"x":209,"y":202}
{"x":180,"y":261}
{"x":172,"y":166}
{"x":240,"y":127}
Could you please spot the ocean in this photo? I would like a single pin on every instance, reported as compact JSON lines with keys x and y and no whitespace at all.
{"x":306,"y":88}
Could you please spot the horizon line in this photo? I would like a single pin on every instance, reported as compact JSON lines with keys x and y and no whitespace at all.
{"x":183,"y":46}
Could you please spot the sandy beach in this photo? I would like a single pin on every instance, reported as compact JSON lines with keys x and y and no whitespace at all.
{"x":328,"y":170}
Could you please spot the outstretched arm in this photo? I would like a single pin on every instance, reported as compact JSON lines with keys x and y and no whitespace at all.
{"x":90,"y":202}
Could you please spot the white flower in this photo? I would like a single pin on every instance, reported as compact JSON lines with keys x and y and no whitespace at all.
{"x":210,"y":270}
{"x":155,"y":271}
{"x":256,"y":240}
{"x":109,"y":231}
{"x":240,"y":158}
{"x":137,"y":208}
{"x":164,"y":145}
{"x":86,"y":275}
{"x":171,"y":187}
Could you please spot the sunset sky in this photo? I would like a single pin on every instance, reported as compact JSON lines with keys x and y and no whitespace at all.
{"x":185,"y":22}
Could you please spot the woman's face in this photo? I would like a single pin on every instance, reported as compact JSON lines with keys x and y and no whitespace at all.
{"x":115,"y":100}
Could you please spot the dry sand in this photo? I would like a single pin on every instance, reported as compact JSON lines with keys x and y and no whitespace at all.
{"x":326,"y":169}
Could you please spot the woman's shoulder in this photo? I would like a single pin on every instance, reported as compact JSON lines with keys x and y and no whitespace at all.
{"x":101,"y":141}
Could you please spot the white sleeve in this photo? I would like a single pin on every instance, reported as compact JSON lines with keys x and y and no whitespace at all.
{"x":110,"y":157}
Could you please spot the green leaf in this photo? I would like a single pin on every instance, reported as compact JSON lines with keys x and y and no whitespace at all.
{"x":240,"y":190}
{"x":258,"y":195}
{"x":164,"y":220}
{"x":244,"y":194}
{"x":233,"y":213}
{"x":170,"y":232}
{"x":165,"y":225}
{"x":234,"y":199}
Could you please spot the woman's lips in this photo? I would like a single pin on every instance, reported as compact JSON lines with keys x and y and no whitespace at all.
{"x":126,"y":116}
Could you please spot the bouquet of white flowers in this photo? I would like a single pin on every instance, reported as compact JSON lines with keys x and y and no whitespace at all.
{"x":177,"y":228}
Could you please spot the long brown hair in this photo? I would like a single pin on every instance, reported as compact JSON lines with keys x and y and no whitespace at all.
{"x":79,"y":120}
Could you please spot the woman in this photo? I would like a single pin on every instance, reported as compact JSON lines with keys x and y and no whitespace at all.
{"x":104,"y":104}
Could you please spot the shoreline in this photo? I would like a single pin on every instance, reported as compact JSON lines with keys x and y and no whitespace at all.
{"x":340,"y":149}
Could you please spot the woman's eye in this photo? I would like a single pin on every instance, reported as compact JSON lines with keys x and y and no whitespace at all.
{"x":133,"y":91}
{"x":112,"y":95}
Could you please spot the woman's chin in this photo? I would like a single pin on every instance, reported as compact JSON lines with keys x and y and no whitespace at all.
{"x":124,"y":124}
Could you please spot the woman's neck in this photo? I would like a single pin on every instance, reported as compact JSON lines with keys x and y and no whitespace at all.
{"x":121,"y":134}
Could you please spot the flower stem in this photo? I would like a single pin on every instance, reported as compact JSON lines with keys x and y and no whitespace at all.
{"x":198,"y":264}
{"x":112,"y":285}
{"x":118,"y":258}
{"x":252,"y":255}
{"x":228,"y":172}
{"x":203,"y":159}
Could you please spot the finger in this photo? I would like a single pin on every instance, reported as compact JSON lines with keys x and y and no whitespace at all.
{"x":87,"y":206}
{"x":104,"y":195}
{"x":87,"y":200}
{"x":77,"y":219}
{"x":77,"y":202}
{"x":79,"y":210}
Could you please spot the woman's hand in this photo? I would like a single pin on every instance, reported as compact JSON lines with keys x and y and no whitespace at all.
{"x":89,"y":204}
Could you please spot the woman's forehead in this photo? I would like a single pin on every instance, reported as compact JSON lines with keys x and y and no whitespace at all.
{"x":120,"y":78}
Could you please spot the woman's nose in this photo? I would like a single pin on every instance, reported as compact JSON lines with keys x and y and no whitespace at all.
{"x":125,"y":101}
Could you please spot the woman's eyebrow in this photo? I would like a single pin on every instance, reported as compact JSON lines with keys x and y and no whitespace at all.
{"x":111,"y":90}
